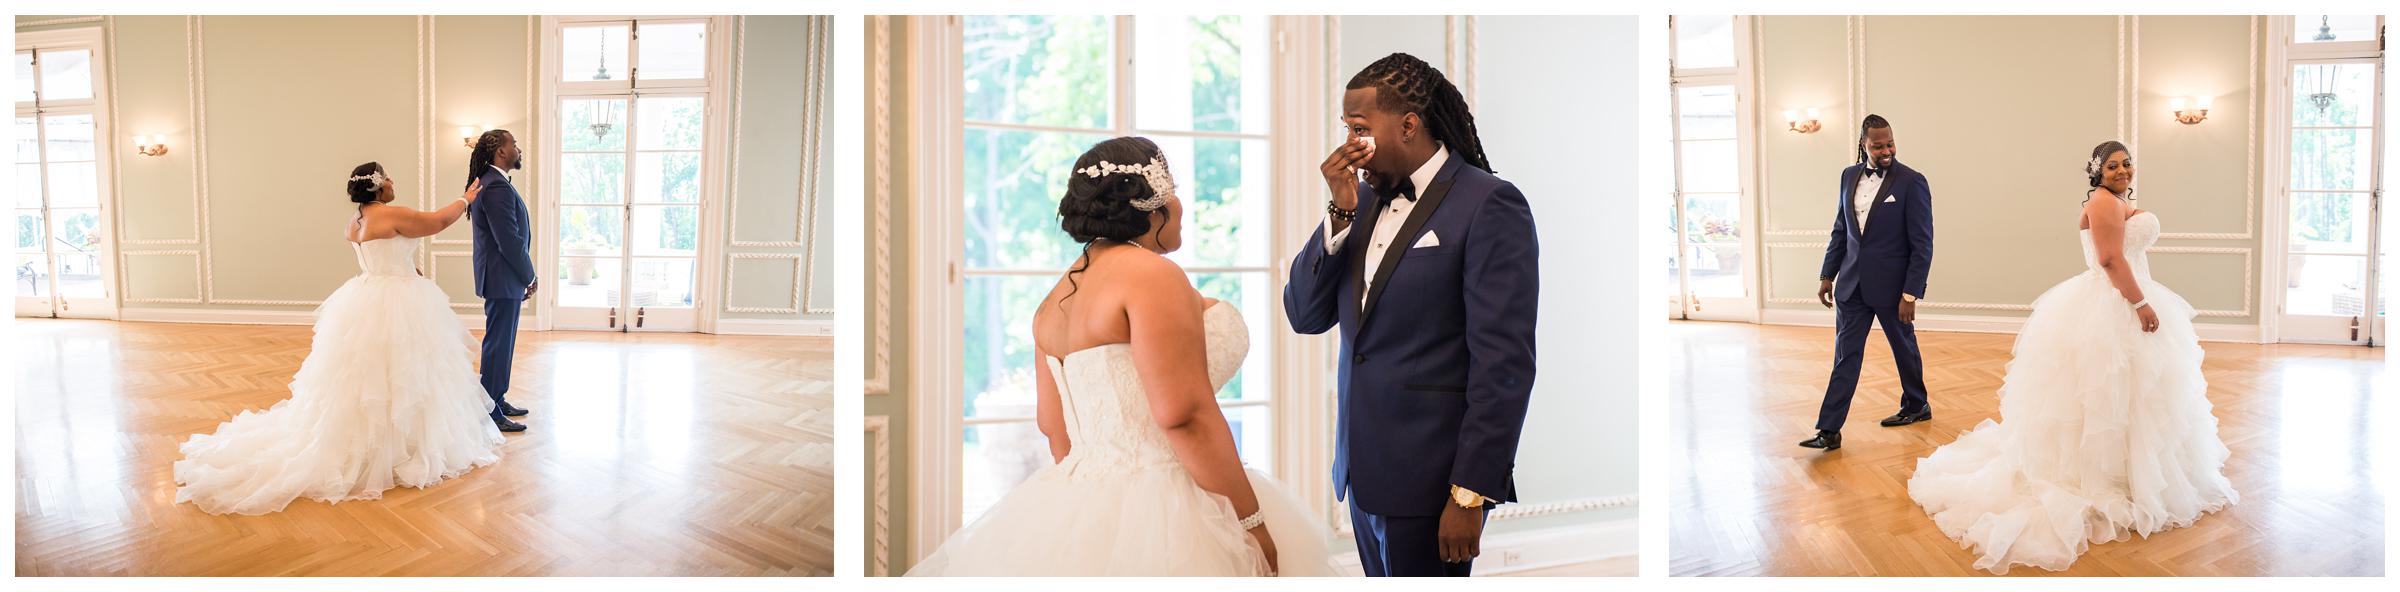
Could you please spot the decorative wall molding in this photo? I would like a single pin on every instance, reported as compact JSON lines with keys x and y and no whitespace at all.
{"x":2248,"y":278}
{"x":61,"y":21}
{"x":2128,"y":126}
{"x":879,"y":373}
{"x":1565,"y":506}
{"x":124,"y":279}
{"x":1935,"y":323}
{"x":820,"y":51}
{"x":797,"y":271}
{"x":2250,"y":202}
{"x":775,"y":327}
{"x":807,"y":217}
{"x":880,"y":532}
{"x":2249,"y":275}
{"x":195,"y":67}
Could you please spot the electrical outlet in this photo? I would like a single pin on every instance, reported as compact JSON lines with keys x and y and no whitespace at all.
{"x":1512,"y":557}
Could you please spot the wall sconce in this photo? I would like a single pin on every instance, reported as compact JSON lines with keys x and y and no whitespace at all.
{"x":467,"y":134}
{"x":150,"y":145}
{"x":1805,"y":126}
{"x":2196,"y":114}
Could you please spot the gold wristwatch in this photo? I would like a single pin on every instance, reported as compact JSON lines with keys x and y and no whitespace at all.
{"x":1466,"y":498}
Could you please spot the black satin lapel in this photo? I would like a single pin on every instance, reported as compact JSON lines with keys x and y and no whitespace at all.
{"x":1850,"y":192}
{"x":1402,"y":242}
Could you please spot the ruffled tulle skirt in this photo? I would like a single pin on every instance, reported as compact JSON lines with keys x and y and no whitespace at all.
{"x":1149,"y":521}
{"x":2104,"y":433}
{"x":388,"y":396}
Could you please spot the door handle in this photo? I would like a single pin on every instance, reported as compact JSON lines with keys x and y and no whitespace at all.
{"x":612,"y":318}
{"x":640,"y":314}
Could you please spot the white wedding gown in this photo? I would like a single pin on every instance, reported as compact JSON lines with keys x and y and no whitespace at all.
{"x":2105,"y":429}
{"x":388,"y":396}
{"x":1119,"y":504}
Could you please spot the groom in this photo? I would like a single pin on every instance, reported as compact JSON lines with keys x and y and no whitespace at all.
{"x":1874,"y":272}
{"x":1428,"y":267}
{"x":504,"y":273}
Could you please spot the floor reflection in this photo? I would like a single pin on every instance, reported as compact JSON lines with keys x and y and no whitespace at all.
{"x":2301,"y":420}
{"x":647,"y":455}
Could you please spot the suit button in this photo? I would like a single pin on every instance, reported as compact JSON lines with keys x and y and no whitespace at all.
{"x":1358,"y":359}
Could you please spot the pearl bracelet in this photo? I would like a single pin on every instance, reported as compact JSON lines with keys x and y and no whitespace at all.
{"x":1254,"y":520}
{"x":2137,"y":305}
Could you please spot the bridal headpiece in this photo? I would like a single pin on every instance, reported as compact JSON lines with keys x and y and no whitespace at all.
{"x":2093,"y":167}
{"x":1162,"y":184}
{"x":375,"y":180}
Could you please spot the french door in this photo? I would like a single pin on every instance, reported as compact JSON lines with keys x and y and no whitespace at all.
{"x":61,"y":262}
{"x":2332,"y":248}
{"x":1710,"y":273}
{"x":632,"y":115}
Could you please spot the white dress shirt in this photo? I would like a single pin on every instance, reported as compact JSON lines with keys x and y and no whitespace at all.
{"x":1862,"y":199}
{"x":1388,"y":223}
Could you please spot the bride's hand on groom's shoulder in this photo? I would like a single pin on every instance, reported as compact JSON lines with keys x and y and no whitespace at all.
{"x":474,"y":190}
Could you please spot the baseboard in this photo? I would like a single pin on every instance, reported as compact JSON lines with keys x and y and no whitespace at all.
{"x":209,"y":316}
{"x":783,"y":327}
{"x":1976,"y":324}
{"x":1540,"y":548}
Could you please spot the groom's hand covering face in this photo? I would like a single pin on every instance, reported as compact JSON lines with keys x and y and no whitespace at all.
{"x":1363,"y":114}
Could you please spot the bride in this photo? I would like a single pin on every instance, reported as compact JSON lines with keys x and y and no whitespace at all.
{"x":387,"y":396}
{"x":1147,"y":480}
{"x":2108,"y":432}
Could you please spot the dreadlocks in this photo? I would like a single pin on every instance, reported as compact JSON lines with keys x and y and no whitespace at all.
{"x":486,"y":147}
{"x":1873,"y":122}
{"x":1405,"y":84}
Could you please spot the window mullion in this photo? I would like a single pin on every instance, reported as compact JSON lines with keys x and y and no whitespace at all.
{"x":1121,"y":78}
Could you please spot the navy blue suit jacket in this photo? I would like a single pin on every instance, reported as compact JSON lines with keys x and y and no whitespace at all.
{"x":503,"y":240}
{"x":1896,"y":251}
{"x":1436,"y":367}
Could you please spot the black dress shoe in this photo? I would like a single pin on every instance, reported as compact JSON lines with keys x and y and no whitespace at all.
{"x":512,"y":410}
{"x":1825,"y":439}
{"x":1905,"y":418}
{"x":508,"y":426}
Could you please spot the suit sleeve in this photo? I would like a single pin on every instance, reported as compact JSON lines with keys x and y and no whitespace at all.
{"x":499,"y":211}
{"x":1839,"y":247}
{"x":1312,"y":297}
{"x":1502,"y":290}
{"x":1919,"y":218}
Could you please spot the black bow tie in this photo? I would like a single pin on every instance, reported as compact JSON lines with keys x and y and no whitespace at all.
{"x":1875,"y":172}
{"x":1406,"y":189}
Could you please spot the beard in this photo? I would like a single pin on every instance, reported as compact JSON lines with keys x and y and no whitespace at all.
{"x":519,"y":164}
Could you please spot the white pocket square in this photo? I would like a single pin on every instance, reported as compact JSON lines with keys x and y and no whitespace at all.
{"x":1429,"y":240}
{"x":1891,"y":199}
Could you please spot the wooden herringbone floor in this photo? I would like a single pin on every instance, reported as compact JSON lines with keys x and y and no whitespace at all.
{"x":1747,"y":501}
{"x":648,"y":455}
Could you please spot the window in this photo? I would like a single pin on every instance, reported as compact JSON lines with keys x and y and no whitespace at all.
{"x":630,"y":126}
{"x":60,"y":260}
{"x":1708,"y":276}
{"x":2331,"y":248}
{"x":1037,"y":91}
{"x":2322,"y":28}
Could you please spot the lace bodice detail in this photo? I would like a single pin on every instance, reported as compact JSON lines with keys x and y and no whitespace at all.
{"x":387,"y":257}
{"x":1108,"y":412}
{"x":2141,"y":231}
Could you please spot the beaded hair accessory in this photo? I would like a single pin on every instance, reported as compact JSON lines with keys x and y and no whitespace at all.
{"x":1162,"y":185}
{"x":375,"y":179}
